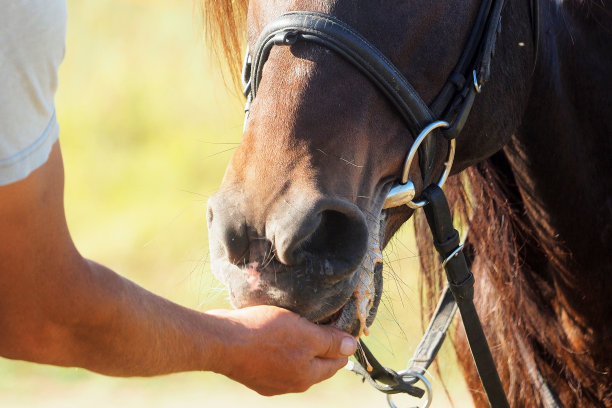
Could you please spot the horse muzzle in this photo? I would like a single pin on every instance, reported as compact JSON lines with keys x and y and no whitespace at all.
{"x":305,"y":254}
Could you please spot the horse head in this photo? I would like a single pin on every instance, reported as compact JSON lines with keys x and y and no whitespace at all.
{"x":298,"y":221}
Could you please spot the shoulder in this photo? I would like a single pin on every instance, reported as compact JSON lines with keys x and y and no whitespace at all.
{"x":32,"y":43}
{"x":32,"y":23}
{"x":32,"y":32}
{"x":32,"y":12}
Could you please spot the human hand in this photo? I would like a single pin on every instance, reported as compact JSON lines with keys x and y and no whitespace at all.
{"x":274,"y":351}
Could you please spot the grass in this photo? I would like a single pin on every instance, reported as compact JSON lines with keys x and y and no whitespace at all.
{"x":147,"y":127}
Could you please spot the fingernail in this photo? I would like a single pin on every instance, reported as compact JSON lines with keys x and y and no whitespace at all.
{"x":348,"y":346}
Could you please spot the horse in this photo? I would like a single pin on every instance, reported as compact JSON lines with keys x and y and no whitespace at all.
{"x":298,"y":220}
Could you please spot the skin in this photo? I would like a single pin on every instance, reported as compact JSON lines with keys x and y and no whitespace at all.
{"x":56,"y":307}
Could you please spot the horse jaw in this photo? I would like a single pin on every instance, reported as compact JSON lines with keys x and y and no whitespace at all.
{"x":360,"y":310}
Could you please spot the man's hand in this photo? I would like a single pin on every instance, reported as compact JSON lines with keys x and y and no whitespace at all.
{"x":274,"y":351}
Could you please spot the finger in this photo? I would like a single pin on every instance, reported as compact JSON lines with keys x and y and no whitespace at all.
{"x":334,"y":343}
{"x":320,"y":369}
{"x":324,"y":368}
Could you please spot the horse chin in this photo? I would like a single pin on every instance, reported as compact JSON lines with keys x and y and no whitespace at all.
{"x":359,"y":312}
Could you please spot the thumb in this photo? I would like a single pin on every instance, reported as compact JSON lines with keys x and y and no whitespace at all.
{"x":336,"y":343}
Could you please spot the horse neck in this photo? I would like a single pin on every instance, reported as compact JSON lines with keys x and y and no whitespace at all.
{"x":561,"y":155}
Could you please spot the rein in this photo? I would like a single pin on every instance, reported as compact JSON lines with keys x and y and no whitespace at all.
{"x":446,"y":116}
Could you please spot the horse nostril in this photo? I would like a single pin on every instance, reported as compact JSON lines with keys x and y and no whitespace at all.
{"x":336,"y":238}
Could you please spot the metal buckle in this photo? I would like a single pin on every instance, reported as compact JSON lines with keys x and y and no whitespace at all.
{"x":477,"y":85}
{"x":417,"y":377}
{"x":404,"y":192}
{"x":246,"y":85}
{"x":245,"y":78}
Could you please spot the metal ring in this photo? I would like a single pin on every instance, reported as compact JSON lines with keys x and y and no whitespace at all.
{"x":452,"y":255}
{"x":428,"y":390}
{"x":413,"y":150}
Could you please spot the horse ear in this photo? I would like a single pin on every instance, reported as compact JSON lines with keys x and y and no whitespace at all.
{"x":225,"y":33}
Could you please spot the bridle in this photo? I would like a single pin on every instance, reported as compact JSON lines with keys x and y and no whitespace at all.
{"x":449,"y":110}
{"x":446,"y":116}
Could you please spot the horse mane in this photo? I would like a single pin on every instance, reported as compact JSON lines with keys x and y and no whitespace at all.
{"x":512,"y":297}
{"x":225,"y":31}
{"x":479,"y":203}
{"x":484,"y":206}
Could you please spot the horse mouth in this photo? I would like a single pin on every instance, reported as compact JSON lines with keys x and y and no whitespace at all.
{"x":331,"y":319}
{"x":346,"y":319}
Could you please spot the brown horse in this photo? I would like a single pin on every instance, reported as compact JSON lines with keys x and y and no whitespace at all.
{"x":298,"y":220}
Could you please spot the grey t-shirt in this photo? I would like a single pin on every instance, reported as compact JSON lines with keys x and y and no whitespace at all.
{"x":32,"y":42}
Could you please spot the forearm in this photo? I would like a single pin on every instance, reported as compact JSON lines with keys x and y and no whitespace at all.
{"x":105,"y":323}
{"x":58,"y":308}
{"x":136,"y":332}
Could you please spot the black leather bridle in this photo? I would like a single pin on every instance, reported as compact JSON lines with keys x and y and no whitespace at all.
{"x":446,"y":115}
{"x":454,"y":101}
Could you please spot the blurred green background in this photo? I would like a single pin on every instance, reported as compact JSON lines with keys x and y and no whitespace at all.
{"x":147,"y":127}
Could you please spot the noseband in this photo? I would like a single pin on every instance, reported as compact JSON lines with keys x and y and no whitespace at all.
{"x":446,"y":116}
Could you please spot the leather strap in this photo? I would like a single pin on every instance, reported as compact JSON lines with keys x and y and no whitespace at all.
{"x":334,"y":34}
{"x":454,"y":101}
{"x":461,"y":282}
{"x":382,"y":378}
{"x":422,"y":358}
{"x":460,"y":77}
{"x":534,"y":15}
{"x":435,"y":334}
{"x":547,"y":393}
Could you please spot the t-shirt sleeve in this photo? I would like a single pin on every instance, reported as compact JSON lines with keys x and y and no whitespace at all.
{"x":32,"y":43}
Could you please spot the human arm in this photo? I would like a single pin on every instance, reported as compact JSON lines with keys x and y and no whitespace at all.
{"x":57,"y":307}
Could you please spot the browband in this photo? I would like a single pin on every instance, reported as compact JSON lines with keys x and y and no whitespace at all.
{"x":338,"y":36}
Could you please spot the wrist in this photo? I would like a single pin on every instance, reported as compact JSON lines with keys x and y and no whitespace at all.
{"x":222,"y":348}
